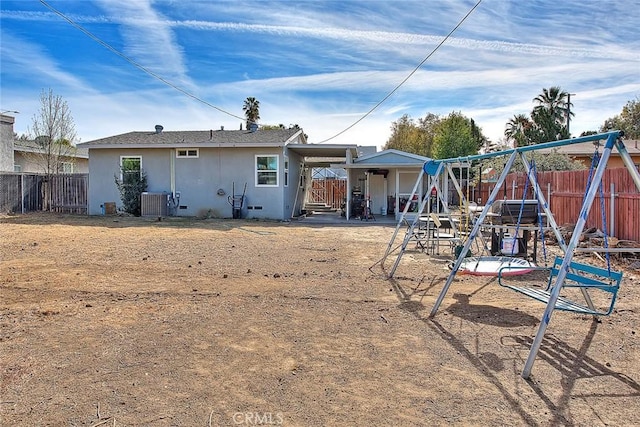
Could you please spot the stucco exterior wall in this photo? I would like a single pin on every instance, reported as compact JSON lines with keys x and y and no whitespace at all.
{"x":26,"y":162}
{"x":204,"y":182}
{"x":6,"y":143}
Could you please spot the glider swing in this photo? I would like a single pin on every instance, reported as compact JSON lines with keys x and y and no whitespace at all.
{"x":564,"y":272}
{"x":566,"y":269}
{"x":581,"y":276}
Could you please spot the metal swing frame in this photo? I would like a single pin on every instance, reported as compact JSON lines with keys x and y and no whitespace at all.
{"x":435,"y":167}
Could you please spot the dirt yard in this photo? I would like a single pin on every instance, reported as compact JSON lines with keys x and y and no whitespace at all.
{"x":133,"y":322}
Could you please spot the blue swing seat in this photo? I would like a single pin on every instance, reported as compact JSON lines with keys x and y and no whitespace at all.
{"x":579,"y":276}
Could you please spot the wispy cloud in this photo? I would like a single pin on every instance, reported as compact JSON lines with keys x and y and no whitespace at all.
{"x":32,"y":60}
{"x":148,"y":38}
{"x":318,"y":64}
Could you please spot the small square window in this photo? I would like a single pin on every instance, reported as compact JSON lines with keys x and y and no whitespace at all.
{"x":187,"y":153}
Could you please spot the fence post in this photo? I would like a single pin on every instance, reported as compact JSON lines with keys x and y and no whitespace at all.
{"x":22,"y":193}
{"x":612,"y":210}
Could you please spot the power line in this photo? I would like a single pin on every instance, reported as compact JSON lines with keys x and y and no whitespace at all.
{"x":134,"y":63}
{"x":190,"y":95}
{"x":375,"y":107}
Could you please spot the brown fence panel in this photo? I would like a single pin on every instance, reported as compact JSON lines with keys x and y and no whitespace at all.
{"x":69,"y":193}
{"x":331,"y":192}
{"x":23,"y":192}
{"x":565,"y":192}
{"x":10,"y":190}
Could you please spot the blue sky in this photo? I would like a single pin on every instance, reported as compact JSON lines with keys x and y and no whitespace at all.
{"x":321,"y":65}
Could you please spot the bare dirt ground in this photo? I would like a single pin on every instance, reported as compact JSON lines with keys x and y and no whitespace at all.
{"x":130,"y":322}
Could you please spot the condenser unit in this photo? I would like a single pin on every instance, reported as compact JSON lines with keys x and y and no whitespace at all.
{"x":155,"y":204}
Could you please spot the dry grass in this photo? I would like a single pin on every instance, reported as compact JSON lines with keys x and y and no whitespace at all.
{"x":131,"y":322}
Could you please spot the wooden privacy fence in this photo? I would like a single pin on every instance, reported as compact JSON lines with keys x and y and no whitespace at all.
{"x":565,"y":190}
{"x":23,"y":192}
{"x":332,"y":192}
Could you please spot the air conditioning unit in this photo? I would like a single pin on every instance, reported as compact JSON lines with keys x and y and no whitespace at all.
{"x":155,"y":204}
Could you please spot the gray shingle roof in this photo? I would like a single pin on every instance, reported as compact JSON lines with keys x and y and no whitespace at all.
{"x":587,"y":148}
{"x":194,"y":138}
{"x":32,"y":147}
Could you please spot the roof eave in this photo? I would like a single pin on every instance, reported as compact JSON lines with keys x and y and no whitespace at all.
{"x":187,"y":144}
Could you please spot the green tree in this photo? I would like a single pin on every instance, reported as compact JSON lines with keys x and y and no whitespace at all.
{"x":251,"y":110}
{"x":131,"y":184}
{"x":553,"y":161}
{"x":405,"y":136}
{"x":548,"y":122}
{"x":551,"y":114}
{"x":454,"y":137}
{"x":546,"y":128}
{"x":518,"y":130}
{"x":628,"y":120}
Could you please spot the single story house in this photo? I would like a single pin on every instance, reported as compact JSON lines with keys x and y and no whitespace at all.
{"x":18,"y":155}
{"x":28,"y":157}
{"x":263,"y":173}
{"x":584,"y":151}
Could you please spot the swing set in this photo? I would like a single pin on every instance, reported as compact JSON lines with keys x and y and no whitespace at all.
{"x":564,"y":274}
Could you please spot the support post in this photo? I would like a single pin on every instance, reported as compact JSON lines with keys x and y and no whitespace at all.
{"x":474,"y":232}
{"x":612,"y":210}
{"x":573,"y":243}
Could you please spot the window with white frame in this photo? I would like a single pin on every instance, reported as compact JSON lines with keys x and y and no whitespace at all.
{"x":266,"y":171}
{"x":66,"y":167}
{"x":130,"y":168}
{"x":192,"y":153}
{"x":286,"y":171}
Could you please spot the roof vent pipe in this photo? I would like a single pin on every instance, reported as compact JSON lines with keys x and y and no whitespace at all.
{"x":159,"y":128}
{"x":210,"y":133}
{"x":221,"y":127}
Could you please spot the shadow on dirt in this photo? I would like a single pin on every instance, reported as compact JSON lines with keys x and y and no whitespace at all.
{"x":573,"y":364}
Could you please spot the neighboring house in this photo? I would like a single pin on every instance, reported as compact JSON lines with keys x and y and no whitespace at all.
{"x":28,"y":157}
{"x":203,"y":172}
{"x":6,"y":143}
{"x":386,"y":179}
{"x":584,"y":152}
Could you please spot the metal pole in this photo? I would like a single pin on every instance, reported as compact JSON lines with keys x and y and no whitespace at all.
{"x":564,"y":269}
{"x":433,"y":184}
{"x":612,"y":210}
{"x":569,"y":111}
{"x":474,"y":232}
{"x":628,"y":162}
{"x":551,"y":222}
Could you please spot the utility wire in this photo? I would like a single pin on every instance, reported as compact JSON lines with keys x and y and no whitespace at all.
{"x":190,"y":95}
{"x":375,"y":107}
{"x":136,"y":64}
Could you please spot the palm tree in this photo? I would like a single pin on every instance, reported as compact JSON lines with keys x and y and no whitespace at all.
{"x":518,"y":129}
{"x":556,"y":102}
{"x":251,"y":110}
